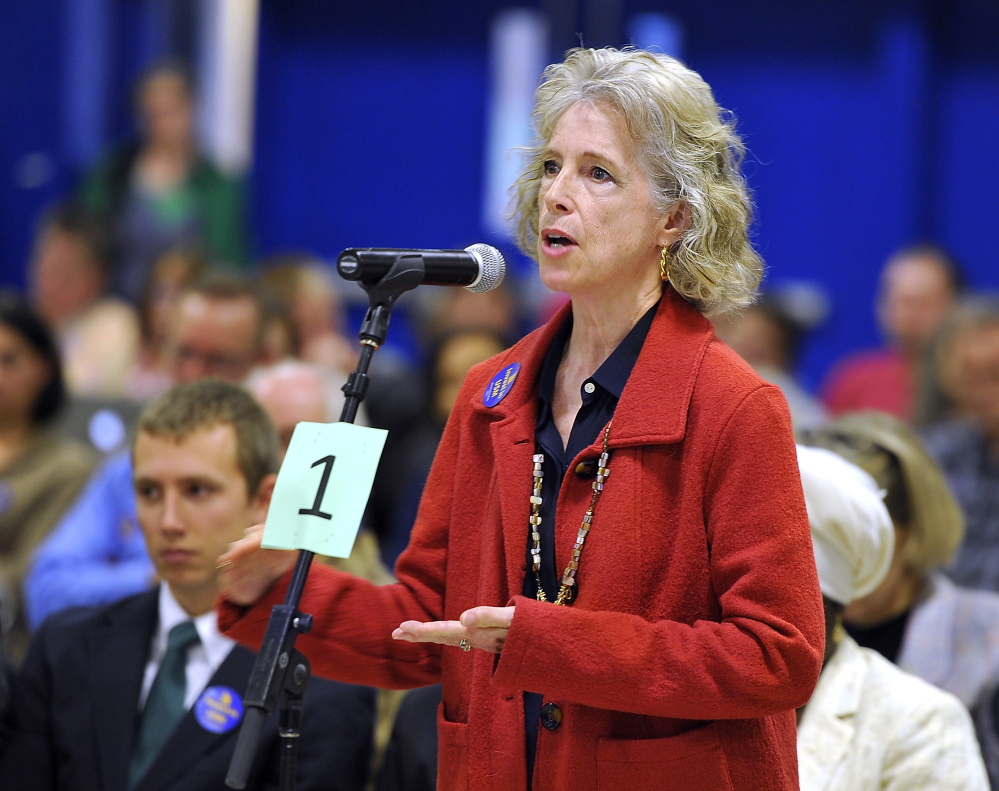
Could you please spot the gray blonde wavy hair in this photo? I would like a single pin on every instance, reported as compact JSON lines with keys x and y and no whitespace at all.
{"x":687,"y":146}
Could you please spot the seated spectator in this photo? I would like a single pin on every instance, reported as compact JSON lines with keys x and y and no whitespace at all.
{"x":159,"y":193}
{"x":410,"y":762}
{"x":96,"y":554}
{"x":768,"y":336}
{"x":301,"y":285}
{"x":404,"y":472}
{"x":917,"y":618}
{"x":98,"y":335}
{"x":870,"y":725}
{"x":146,"y":693}
{"x":40,"y":471}
{"x":172,"y":273}
{"x":967,"y":446}
{"x":918,"y":287}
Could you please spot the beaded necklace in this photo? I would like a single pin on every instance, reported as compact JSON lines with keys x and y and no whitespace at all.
{"x":568,"y":589}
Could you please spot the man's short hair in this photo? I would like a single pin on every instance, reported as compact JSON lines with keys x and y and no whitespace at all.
{"x":207,"y":403}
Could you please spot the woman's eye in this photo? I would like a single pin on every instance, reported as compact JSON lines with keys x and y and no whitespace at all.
{"x":550,"y":167}
{"x":599,"y":174}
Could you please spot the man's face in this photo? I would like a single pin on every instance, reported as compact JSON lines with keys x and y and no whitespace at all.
{"x":214,"y":337}
{"x":972,"y":375}
{"x":289,"y":399}
{"x":192,"y":503}
{"x":915,"y":297}
{"x":65,"y":278}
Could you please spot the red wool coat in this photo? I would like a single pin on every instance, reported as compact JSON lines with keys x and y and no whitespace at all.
{"x":698,"y":625}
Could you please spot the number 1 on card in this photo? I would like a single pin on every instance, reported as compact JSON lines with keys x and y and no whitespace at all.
{"x":323,"y":482}
{"x":347,"y":457}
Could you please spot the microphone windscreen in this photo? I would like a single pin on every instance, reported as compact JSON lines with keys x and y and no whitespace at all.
{"x":492,"y":268}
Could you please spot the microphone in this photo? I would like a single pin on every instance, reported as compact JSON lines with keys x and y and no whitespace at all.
{"x":478,"y":268}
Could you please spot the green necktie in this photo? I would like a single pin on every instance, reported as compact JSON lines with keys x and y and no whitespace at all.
{"x":165,"y":704}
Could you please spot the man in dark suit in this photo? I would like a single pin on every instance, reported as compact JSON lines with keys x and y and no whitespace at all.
{"x":145,"y":694}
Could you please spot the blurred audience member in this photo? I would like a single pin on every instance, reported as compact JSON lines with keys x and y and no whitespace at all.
{"x":98,"y":335}
{"x":404,"y":472}
{"x":172,"y":273}
{"x":869,"y":725}
{"x":40,"y":471}
{"x":291,"y":392}
{"x":301,"y":285}
{"x":917,"y":618}
{"x":919,"y":285}
{"x":159,"y":193}
{"x":96,"y":554}
{"x":460,"y":309}
{"x":146,"y":694}
{"x":410,"y":762}
{"x":967,"y":445}
{"x":768,"y":336}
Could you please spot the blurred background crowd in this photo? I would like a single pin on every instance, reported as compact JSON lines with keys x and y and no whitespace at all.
{"x":178,"y":176}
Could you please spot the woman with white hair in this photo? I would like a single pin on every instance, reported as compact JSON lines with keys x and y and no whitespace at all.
{"x":598,"y":525}
{"x":870,"y":725}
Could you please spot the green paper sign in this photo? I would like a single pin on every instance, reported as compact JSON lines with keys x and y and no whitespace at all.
{"x":322,"y":488}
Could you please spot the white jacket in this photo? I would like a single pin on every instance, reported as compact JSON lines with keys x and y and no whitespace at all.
{"x":870,"y":726}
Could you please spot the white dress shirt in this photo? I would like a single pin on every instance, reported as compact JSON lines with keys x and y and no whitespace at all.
{"x":203,"y":658}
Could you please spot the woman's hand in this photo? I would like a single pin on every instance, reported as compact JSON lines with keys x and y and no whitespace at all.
{"x":484,"y":628}
{"x":247,"y":572}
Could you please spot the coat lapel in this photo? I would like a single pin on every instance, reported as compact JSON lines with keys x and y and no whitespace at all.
{"x":647,"y":414}
{"x":189,"y":742}
{"x":119,"y":650}
{"x":829,"y":725}
{"x":511,"y":433}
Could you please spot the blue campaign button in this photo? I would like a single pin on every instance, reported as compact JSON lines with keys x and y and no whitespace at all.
{"x":219,"y":709}
{"x":500,"y":385}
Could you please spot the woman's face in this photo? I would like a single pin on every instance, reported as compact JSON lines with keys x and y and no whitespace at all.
{"x":598,"y":226}
{"x":23,"y":374}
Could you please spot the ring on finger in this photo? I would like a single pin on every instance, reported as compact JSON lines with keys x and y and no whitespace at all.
{"x":464,"y":646}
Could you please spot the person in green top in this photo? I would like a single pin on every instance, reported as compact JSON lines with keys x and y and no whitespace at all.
{"x":158,"y":193}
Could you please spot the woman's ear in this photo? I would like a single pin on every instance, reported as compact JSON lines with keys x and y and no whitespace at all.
{"x":678,"y":219}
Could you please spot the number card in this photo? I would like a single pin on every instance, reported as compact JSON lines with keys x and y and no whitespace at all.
{"x":323,"y":487}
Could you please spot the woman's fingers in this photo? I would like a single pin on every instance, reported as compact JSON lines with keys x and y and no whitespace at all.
{"x":484,"y":628}
{"x":247,"y":571}
{"x":483,"y":617}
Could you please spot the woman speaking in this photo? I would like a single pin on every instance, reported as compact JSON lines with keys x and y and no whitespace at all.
{"x":611,"y":569}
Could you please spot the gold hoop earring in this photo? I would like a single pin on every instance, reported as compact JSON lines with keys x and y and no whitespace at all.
{"x":664,"y":264}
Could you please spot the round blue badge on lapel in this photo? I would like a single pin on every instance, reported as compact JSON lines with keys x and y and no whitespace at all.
{"x":500,"y":385}
{"x":219,"y":709}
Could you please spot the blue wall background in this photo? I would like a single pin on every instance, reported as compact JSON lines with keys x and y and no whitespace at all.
{"x":870,"y":125}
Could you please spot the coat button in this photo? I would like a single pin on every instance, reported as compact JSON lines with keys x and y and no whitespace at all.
{"x":587,"y":469}
{"x":551,"y":716}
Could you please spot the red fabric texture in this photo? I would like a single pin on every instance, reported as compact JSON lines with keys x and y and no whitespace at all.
{"x":877,"y":379}
{"x":698,"y":626}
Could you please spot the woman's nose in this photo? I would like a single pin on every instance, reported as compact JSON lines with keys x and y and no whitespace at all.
{"x":557,"y":196}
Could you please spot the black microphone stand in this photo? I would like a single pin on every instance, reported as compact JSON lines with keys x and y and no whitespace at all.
{"x":280,"y":669}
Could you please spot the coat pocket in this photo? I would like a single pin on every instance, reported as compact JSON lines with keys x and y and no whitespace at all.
{"x":452,"y":754}
{"x":690,"y":761}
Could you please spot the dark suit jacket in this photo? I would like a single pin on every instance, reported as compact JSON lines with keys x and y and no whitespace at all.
{"x":74,"y":714}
